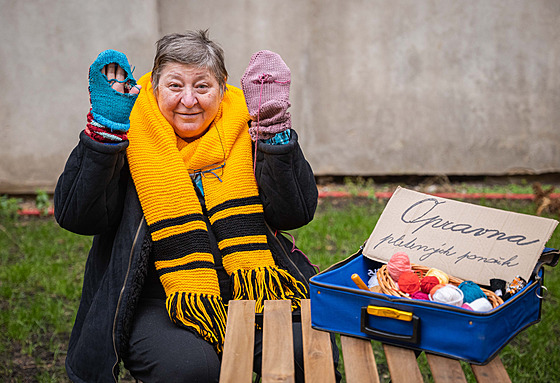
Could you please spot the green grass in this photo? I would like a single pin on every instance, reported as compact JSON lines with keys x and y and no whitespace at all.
{"x":41,"y":275}
{"x":40,"y":284}
{"x":522,"y":188}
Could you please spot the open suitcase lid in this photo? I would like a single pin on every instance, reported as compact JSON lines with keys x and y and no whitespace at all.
{"x":468,"y":241}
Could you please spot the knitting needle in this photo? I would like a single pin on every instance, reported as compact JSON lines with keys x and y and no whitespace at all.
{"x":358,"y":281}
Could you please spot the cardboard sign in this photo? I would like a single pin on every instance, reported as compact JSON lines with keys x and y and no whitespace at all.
{"x":467,"y":241}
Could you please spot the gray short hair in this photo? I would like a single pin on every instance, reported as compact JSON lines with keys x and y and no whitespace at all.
{"x":190,"y":48}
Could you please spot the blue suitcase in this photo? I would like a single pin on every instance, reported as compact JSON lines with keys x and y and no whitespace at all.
{"x":337,"y":305}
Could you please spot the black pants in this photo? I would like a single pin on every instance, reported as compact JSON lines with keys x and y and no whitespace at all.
{"x":160,"y":351}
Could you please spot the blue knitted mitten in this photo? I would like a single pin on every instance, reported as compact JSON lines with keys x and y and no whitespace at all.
{"x":108,"y":106}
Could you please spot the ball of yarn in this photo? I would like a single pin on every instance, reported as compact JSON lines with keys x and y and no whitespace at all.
{"x":471,"y":291}
{"x":427,"y":283}
{"x":467,"y":306}
{"x":435,"y":288}
{"x":420,"y":295}
{"x":440,"y":275}
{"x":481,"y":305}
{"x":398,"y":264}
{"x":409,"y":282}
{"x":449,"y":294}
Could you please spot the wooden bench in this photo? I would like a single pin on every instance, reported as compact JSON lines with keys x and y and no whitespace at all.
{"x":359,"y":360}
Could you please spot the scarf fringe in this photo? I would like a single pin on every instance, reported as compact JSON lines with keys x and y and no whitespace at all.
{"x":202,"y":313}
{"x":267,"y":283}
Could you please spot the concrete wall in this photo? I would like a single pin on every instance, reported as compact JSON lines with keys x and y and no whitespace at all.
{"x":45,"y":52}
{"x":378,"y":87}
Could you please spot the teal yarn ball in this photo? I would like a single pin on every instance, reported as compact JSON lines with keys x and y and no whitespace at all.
{"x":471,"y":291}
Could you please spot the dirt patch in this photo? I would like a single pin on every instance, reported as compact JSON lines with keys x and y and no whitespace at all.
{"x":19,"y":366}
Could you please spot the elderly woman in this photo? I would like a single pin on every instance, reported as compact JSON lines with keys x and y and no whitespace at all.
{"x":185,"y":184}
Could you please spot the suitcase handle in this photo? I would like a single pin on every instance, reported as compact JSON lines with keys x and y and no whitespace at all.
{"x":394,"y":314}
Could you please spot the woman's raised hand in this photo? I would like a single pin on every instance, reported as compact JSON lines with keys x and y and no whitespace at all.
{"x":114,"y":72}
{"x":113,"y":90}
{"x":266,"y":86}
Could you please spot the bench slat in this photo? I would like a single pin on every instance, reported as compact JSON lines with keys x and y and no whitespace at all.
{"x":237,"y":360}
{"x":278,"y":344}
{"x":493,"y":372}
{"x":317,"y":352}
{"x":445,"y":370}
{"x":402,"y":364}
{"x":359,"y":361}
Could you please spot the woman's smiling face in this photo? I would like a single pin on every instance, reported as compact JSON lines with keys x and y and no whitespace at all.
{"x":189,"y":98}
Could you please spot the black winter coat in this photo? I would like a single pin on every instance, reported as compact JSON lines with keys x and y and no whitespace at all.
{"x":95,"y":195}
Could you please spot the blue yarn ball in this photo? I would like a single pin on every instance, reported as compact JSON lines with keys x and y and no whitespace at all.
{"x":471,"y":291}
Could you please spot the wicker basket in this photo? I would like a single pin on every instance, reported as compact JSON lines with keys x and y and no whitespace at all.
{"x":389,"y":287}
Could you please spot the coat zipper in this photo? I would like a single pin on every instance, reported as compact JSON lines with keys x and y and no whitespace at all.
{"x":120,"y":297}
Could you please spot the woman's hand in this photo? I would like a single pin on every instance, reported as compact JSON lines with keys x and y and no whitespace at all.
{"x":113,"y":90}
{"x":266,"y":86}
{"x":113,"y":72}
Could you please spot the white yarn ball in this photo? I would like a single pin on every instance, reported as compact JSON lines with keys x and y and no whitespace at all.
{"x":449,"y":294}
{"x":481,"y":305}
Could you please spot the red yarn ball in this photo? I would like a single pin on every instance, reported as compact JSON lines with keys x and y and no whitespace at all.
{"x":420,"y":295}
{"x":409,"y":282}
{"x":398,"y":264}
{"x":427,"y":283}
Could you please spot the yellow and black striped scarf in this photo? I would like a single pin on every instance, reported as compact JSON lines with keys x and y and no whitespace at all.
{"x":160,"y":165}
